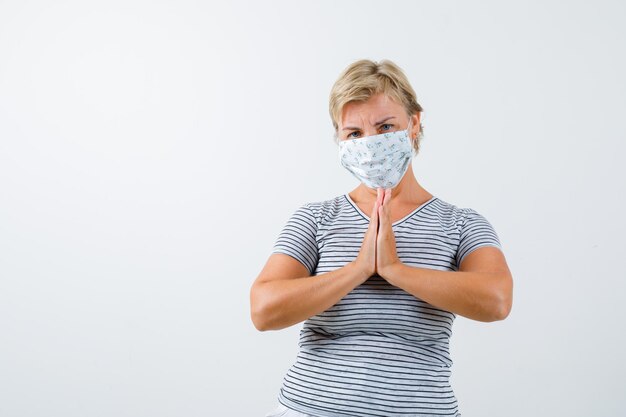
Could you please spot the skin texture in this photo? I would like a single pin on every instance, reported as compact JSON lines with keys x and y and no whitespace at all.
{"x":284,"y":293}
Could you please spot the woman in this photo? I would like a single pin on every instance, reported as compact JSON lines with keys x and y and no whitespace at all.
{"x":379,"y":274}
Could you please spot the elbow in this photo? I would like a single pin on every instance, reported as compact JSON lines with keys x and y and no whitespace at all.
{"x":265,"y":319}
{"x":504,"y":300}
{"x":267,"y":313}
{"x":260,"y":319}
{"x":502,"y":312}
{"x":258,"y":322}
{"x":503,"y":307}
{"x":257,"y":313}
{"x":495,"y":313}
{"x":260,"y":313}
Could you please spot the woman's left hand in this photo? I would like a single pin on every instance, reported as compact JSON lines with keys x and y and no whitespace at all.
{"x":386,"y":253}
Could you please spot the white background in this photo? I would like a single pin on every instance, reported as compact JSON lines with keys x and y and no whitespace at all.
{"x":150,"y":153}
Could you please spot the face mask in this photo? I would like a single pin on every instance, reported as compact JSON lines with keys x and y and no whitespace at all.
{"x":378,"y":160}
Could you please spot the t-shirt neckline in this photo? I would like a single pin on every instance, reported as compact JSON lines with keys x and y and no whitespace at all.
{"x":419,"y":208}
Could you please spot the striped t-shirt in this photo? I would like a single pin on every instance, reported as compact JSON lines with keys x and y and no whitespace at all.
{"x":379,"y":351}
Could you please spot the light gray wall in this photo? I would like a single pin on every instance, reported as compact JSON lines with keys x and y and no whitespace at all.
{"x":150,"y":152}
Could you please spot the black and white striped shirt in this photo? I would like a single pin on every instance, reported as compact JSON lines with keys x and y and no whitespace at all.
{"x":379,"y":351}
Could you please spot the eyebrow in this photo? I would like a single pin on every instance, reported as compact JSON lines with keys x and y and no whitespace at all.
{"x":375,"y":124}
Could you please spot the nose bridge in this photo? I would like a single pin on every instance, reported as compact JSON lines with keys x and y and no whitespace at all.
{"x":369,"y":130}
{"x":367,"y":124}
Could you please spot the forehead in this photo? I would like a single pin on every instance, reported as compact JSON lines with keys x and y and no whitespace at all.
{"x":379,"y":105}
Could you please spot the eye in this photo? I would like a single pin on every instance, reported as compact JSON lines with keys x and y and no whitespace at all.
{"x":386,"y":126}
{"x":350,"y":134}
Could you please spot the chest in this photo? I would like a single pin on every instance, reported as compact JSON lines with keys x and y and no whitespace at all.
{"x":419,"y":242}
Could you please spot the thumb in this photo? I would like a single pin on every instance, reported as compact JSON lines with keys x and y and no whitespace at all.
{"x":374,"y":219}
{"x":382,"y":217}
{"x":383,"y":210}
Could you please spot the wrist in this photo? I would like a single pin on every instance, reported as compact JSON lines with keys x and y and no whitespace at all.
{"x":359,"y":270}
{"x":392,"y":271}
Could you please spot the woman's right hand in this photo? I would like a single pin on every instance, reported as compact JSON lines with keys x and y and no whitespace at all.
{"x":366,"y":259}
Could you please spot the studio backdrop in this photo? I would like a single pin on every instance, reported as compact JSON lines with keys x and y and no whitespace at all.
{"x":151,"y":152}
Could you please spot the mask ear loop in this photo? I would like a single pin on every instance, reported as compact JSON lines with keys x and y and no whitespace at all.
{"x":408,"y":133}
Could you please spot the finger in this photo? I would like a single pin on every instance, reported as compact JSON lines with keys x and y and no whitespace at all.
{"x":385,"y":201}
{"x":375,"y":214}
{"x":387,"y":198}
{"x":377,"y":203}
{"x":383,"y":216}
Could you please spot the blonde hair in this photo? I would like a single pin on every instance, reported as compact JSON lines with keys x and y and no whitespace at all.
{"x":365,"y":78}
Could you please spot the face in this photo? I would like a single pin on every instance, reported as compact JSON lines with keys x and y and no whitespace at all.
{"x":379,"y":114}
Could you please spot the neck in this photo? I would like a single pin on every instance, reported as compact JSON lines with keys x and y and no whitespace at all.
{"x":408,"y":189}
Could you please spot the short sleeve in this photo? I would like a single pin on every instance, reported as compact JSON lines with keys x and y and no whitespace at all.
{"x":298,"y":238}
{"x":476,"y":231}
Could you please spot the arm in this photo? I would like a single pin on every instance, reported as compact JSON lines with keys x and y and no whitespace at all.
{"x":284,"y":294}
{"x":481,"y":290}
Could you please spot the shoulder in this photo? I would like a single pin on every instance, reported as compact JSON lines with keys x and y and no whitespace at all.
{"x":471,"y":227}
{"x":448,"y":213}
{"x":326,"y":211}
{"x":456,"y":217}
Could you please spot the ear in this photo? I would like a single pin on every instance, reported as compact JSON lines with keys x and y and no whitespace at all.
{"x":415,"y":125}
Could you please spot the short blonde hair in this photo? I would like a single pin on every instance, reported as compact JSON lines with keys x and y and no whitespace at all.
{"x":365,"y":78}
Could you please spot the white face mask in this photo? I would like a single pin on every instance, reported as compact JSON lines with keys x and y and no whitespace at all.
{"x":378,"y":160}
